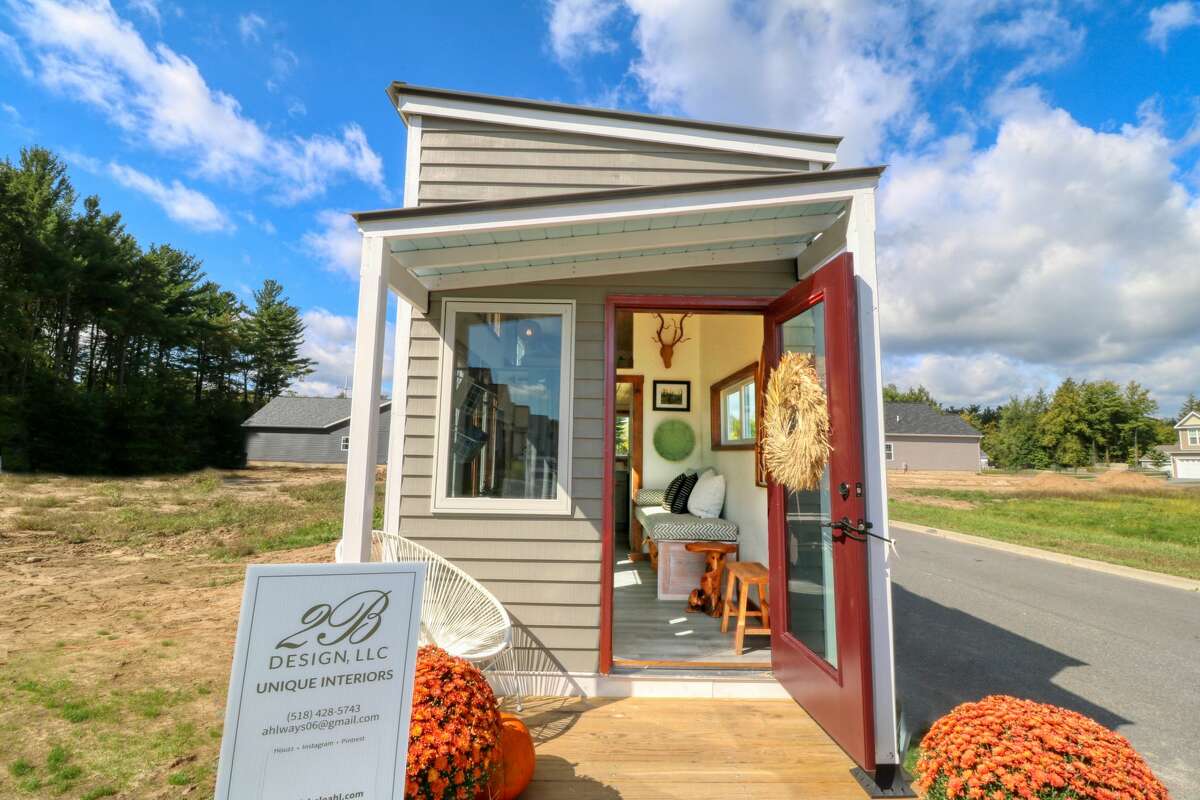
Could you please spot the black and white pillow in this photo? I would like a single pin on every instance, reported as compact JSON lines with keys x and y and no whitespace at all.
{"x":679,"y":503}
{"x":672,"y":490}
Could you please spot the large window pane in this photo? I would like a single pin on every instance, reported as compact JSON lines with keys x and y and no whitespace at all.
{"x":505,"y":405}
{"x":812,"y":612}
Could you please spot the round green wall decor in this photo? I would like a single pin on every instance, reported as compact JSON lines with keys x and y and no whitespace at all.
{"x":674,"y":440}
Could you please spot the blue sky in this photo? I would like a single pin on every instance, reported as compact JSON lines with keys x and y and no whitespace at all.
{"x":1039,"y":219}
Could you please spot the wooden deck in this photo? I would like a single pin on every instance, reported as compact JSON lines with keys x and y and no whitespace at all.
{"x":644,"y":749}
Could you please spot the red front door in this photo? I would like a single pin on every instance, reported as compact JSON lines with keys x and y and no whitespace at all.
{"x":820,"y":616}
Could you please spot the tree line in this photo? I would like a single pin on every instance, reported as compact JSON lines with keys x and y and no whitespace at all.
{"x":1081,"y":423}
{"x":120,"y":359}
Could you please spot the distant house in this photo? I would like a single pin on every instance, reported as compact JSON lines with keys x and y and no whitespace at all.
{"x":314,"y":430}
{"x":918,"y":436}
{"x":1182,"y":456}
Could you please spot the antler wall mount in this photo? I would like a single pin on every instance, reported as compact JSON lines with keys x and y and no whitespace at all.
{"x":674,"y":336}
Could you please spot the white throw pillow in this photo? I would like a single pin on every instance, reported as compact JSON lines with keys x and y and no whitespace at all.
{"x":708,"y":496}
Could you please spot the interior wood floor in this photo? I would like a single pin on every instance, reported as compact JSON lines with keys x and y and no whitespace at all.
{"x":652,"y":749}
{"x":647,"y":630}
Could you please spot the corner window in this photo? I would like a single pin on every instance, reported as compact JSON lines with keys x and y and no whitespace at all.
{"x":734,"y":407}
{"x":887,"y":451}
{"x":345,"y":444}
{"x":504,"y":431}
{"x":1193,"y":436}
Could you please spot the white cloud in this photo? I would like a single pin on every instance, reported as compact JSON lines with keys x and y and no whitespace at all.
{"x":828,"y":66}
{"x":329,"y":340}
{"x":159,"y":96}
{"x":265,"y":225}
{"x":336,"y":242}
{"x":296,"y":108}
{"x":577,"y":27}
{"x":283,"y":64}
{"x":1015,"y":250}
{"x":1067,"y":249}
{"x":186,"y":206}
{"x":1171,"y":18}
{"x":10,"y":50}
{"x":147,"y":8}
{"x":250,"y":26}
{"x":962,"y":380}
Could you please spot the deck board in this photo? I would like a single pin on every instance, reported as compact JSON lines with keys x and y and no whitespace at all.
{"x":647,"y":749}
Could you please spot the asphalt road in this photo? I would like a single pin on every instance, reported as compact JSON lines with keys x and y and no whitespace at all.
{"x":972,"y":621}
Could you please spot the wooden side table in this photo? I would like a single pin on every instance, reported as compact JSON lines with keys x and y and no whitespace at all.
{"x":743,"y":575}
{"x":708,"y":597}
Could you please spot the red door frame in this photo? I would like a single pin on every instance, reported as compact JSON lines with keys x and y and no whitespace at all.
{"x":840,"y":700}
{"x":638,"y":302}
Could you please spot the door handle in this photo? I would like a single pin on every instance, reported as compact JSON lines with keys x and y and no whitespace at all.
{"x":857,"y":531}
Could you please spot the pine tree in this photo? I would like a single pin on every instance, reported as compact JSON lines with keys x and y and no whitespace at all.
{"x":1192,"y":403}
{"x":274,"y":333}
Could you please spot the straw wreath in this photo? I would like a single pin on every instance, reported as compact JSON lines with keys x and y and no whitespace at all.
{"x":795,"y":442}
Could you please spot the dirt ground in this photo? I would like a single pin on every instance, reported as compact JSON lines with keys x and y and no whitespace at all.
{"x":121,"y":603}
{"x":900,"y":483}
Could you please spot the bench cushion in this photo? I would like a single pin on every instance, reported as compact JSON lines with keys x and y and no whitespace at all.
{"x":660,"y":525}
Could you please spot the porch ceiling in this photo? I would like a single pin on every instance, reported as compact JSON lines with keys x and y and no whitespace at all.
{"x":612,"y":231}
{"x":786,"y":229}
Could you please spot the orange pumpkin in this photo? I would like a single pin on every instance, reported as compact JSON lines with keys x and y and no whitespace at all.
{"x":515,"y":770}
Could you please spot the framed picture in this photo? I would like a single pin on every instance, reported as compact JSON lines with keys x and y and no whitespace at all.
{"x":672,"y":395}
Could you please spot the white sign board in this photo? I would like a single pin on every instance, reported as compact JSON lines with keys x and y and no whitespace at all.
{"x":321,"y":692}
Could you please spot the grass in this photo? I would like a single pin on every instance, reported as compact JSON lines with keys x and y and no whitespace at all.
{"x":1156,"y":529}
{"x":127,"y":700}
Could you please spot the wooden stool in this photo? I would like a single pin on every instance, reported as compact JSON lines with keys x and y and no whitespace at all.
{"x":708,"y":597}
{"x":743,"y":575}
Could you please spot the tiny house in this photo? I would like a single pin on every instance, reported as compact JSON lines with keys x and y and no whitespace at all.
{"x":590,"y":302}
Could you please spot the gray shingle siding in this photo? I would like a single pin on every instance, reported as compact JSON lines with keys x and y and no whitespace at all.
{"x":308,"y":446}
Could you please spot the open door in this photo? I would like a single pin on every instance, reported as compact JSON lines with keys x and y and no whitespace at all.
{"x":820,"y":615}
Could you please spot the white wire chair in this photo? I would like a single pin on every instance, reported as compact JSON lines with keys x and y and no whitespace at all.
{"x":458,"y":614}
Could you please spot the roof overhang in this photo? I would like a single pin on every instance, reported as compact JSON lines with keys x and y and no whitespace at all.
{"x":417,"y":101}
{"x":1190,"y":420}
{"x":617,"y":231}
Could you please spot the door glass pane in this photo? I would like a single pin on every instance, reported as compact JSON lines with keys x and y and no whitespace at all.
{"x":504,"y":413}
{"x":809,"y":545}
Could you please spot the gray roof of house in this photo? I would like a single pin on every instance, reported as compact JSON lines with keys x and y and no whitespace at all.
{"x":920,"y":418}
{"x":303,"y":413}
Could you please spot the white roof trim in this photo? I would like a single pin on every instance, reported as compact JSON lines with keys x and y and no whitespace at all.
{"x":636,"y":130}
{"x":599,"y":209}
{"x":1189,"y":415}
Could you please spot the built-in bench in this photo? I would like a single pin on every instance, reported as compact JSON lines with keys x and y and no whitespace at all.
{"x":665,"y":535}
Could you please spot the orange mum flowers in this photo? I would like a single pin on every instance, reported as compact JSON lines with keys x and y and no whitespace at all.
{"x":455,"y":729}
{"x":1002,"y":748}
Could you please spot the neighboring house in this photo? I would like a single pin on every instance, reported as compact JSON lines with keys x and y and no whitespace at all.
{"x":1183,"y":457}
{"x":1146,"y":461}
{"x":918,"y":436}
{"x":528,"y":229}
{"x":314,"y":430}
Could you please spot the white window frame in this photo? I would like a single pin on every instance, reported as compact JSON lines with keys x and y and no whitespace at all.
{"x":1193,"y":437}
{"x":889,"y":453}
{"x":563,"y":504}
{"x":747,"y":414}
{"x":345,"y":445}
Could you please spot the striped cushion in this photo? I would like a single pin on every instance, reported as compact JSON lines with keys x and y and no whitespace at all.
{"x":679,"y":503}
{"x":661,"y":524}
{"x":649,"y":497}
{"x":672,"y":490}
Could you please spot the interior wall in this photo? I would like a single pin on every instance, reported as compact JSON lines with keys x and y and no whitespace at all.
{"x":657,"y":472}
{"x":730,"y":342}
{"x":719,"y":345}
